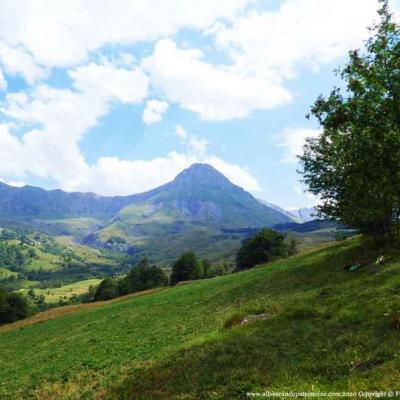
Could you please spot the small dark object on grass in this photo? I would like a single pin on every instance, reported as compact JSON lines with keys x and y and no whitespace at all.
{"x":353,"y":267}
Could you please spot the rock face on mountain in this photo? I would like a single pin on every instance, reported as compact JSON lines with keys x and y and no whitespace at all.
{"x":201,"y":193}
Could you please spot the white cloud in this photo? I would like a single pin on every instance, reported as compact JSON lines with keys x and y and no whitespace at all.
{"x":55,"y":154}
{"x":64,"y":32}
{"x":72,"y":112}
{"x":214,"y":92}
{"x":136,"y":176}
{"x":265,"y":49}
{"x":55,"y":120}
{"x":293,"y":140}
{"x":107,"y":81}
{"x":3,"y":81}
{"x":154,"y":111}
{"x":11,"y":153}
{"x":17,"y":61}
{"x":235,"y":173}
{"x":195,"y":145}
{"x":38,"y":35}
{"x":275,"y":44}
{"x":13,"y":183}
{"x":181,"y":132}
{"x":310,"y":200}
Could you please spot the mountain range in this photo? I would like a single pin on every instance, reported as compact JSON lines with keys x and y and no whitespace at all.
{"x":199,"y":210}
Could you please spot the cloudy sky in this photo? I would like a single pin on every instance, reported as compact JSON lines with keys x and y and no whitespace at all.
{"x":117,"y":97}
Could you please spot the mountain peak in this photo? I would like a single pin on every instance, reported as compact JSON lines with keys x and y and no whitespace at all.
{"x":201,"y":174}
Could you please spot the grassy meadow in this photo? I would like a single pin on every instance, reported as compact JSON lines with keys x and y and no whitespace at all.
{"x":326,"y":329}
{"x":65,"y":292}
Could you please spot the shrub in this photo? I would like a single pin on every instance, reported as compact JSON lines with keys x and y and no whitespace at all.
{"x":265,"y":246}
{"x":186,"y":268}
{"x":142,"y":277}
{"x":13,"y":306}
{"x":107,"y":290}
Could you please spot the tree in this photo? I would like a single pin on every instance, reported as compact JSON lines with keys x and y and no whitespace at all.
{"x":265,"y":246}
{"x":219,"y":269}
{"x":106,"y":290}
{"x":13,"y":306}
{"x":292,"y":247}
{"x":186,"y":268}
{"x":142,"y":277}
{"x":206,"y":267}
{"x":353,"y":166}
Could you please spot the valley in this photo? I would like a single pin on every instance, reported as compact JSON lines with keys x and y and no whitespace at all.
{"x":75,"y":237}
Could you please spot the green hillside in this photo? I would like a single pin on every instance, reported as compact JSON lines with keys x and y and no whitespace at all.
{"x":33,"y":259}
{"x":327,"y":329}
{"x":64,"y":293}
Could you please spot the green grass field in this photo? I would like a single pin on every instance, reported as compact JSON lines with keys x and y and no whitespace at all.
{"x":327,"y":329}
{"x":53,"y":295}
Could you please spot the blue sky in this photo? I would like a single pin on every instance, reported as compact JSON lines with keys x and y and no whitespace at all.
{"x":118,"y":100}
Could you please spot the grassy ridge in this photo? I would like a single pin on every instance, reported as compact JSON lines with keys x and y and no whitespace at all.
{"x":327,"y":330}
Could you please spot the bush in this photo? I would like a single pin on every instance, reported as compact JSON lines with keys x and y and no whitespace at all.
{"x":107,"y":290}
{"x":186,"y":268}
{"x":218,"y":270}
{"x":142,"y":277}
{"x":265,"y":246}
{"x":13,"y":306}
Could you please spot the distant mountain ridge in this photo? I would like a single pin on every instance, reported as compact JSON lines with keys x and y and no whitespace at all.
{"x":199,"y":210}
{"x":195,"y":191}
{"x":201,"y":193}
{"x":31,"y":201}
{"x":299,"y":215}
{"x":304,"y":214}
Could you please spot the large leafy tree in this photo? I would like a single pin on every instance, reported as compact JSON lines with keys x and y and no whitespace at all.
{"x":143,"y":277}
{"x":186,"y":268}
{"x":106,"y":290}
{"x":354,"y":165}
{"x":13,"y":306}
{"x":265,"y":246}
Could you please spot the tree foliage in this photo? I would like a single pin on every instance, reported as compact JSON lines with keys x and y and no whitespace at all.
{"x":186,"y":268}
{"x":143,"y":277}
{"x":353,"y":166}
{"x":107,"y":290}
{"x":265,"y":246}
{"x":13,"y":306}
{"x":140,"y":277}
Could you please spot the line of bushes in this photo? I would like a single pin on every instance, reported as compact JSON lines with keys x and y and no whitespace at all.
{"x":265,"y":246}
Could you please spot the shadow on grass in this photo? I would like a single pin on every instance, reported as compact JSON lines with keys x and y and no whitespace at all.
{"x":257,"y":359}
